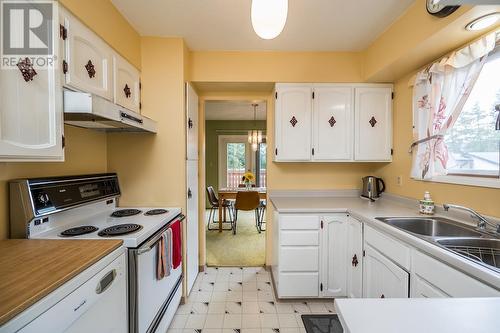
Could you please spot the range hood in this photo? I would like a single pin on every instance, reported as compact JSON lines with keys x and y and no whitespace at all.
{"x":91,"y":111}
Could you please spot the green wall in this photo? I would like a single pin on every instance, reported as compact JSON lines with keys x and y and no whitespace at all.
{"x":214,"y":128}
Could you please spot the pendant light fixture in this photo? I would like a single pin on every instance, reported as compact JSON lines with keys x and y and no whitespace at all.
{"x":255,"y":136}
{"x":269,"y":17}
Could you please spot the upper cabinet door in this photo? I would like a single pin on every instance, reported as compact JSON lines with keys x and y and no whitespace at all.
{"x":332,"y":123}
{"x":293,"y":122}
{"x":31,"y":126}
{"x":126,"y":83}
{"x":373,"y":124}
{"x":191,"y":123}
{"x":89,"y":60}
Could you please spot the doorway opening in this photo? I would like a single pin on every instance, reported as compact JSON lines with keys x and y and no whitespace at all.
{"x":233,"y":152}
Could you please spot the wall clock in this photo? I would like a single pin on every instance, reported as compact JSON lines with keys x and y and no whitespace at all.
{"x":438,"y":10}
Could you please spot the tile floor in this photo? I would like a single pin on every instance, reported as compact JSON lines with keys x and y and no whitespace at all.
{"x":241,"y":300}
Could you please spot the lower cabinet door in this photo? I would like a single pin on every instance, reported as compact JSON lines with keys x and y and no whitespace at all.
{"x":354,"y":258}
{"x":423,"y":289}
{"x":382,"y":278}
{"x":334,"y":256}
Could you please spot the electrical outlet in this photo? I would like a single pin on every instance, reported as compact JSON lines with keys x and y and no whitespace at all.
{"x":399,"y":180}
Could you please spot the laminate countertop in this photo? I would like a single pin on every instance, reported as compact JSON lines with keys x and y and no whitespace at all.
{"x":31,"y":269}
{"x":366,"y":211}
{"x":439,"y":315}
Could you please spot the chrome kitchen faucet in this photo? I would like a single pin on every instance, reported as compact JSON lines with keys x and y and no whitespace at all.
{"x":482,"y":222}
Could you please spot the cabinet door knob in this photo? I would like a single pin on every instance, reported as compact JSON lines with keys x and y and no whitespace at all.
{"x":355,"y":261}
{"x":332,"y":121}
{"x":127,"y":91}
{"x":373,"y":121}
{"x":293,"y":121}
{"x":27,"y":70}
{"x":90,"y":69}
{"x":382,"y":296}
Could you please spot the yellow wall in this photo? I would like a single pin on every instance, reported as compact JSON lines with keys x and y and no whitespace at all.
{"x":85,"y":149}
{"x":485,"y":200}
{"x":85,"y":153}
{"x":275,"y":67}
{"x":152,"y":167}
{"x":106,"y":21}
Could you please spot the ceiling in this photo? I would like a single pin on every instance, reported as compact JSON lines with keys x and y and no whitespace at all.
{"x":234,"y":110}
{"x":312,"y":25}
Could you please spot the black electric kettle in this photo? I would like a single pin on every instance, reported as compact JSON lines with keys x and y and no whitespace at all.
{"x":372,"y":187}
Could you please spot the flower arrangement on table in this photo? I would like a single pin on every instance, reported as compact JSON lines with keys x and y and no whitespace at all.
{"x":248,"y":178}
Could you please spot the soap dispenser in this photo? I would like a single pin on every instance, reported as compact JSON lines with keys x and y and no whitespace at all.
{"x":427,"y":205}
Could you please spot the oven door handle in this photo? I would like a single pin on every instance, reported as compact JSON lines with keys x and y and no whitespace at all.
{"x":150,"y":244}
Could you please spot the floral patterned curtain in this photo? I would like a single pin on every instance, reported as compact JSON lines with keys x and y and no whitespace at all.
{"x":439,"y":94}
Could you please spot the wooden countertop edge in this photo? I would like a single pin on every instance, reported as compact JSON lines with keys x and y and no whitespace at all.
{"x":5,"y":317}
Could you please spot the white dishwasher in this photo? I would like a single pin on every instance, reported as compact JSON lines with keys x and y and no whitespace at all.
{"x":96,"y":302}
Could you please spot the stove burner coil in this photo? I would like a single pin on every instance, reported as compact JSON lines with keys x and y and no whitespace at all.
{"x":156,"y":212}
{"x":77,"y":231}
{"x":125,"y":212}
{"x":119,"y":229}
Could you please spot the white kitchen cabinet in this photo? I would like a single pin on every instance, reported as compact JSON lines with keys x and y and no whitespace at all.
{"x":332,"y":123}
{"x":296,"y":267}
{"x":381,"y":277}
{"x":89,"y":60}
{"x":334,"y":261}
{"x":31,"y":125}
{"x":126,"y":84}
{"x":423,"y":289}
{"x":354,"y":258}
{"x":447,"y":279}
{"x":293,"y":122}
{"x":314,"y":255}
{"x":373,"y":124}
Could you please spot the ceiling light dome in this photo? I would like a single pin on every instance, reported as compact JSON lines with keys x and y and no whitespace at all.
{"x":483,"y":22}
{"x":269,"y":17}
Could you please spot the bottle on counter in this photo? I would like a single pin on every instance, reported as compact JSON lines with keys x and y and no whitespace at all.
{"x":427,"y":206}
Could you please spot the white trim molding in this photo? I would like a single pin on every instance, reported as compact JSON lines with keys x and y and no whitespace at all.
{"x":465,"y":180}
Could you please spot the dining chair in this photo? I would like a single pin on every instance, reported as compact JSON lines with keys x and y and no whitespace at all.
{"x":214,"y":207}
{"x":247,"y":201}
{"x":262,"y":214}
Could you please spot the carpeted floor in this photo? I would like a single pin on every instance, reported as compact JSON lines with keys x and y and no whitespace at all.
{"x":246,"y":248}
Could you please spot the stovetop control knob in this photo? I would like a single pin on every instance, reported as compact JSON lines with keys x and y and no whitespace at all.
{"x":43,"y":198}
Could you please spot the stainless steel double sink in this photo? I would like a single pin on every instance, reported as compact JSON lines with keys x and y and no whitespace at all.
{"x":454,"y":236}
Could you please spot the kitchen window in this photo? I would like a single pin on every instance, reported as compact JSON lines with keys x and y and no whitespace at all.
{"x":474,"y":140}
{"x":456,"y":117}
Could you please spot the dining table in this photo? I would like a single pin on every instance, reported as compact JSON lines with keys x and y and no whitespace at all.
{"x":229,"y":193}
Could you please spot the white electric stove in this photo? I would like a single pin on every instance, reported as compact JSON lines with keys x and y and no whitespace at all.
{"x":85,"y":207}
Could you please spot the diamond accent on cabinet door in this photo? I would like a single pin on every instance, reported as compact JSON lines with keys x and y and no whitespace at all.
{"x":293,"y":121}
{"x":90,"y":69}
{"x":26,"y":68}
{"x":127,"y":91}
{"x":332,"y":121}
{"x":373,"y":121}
